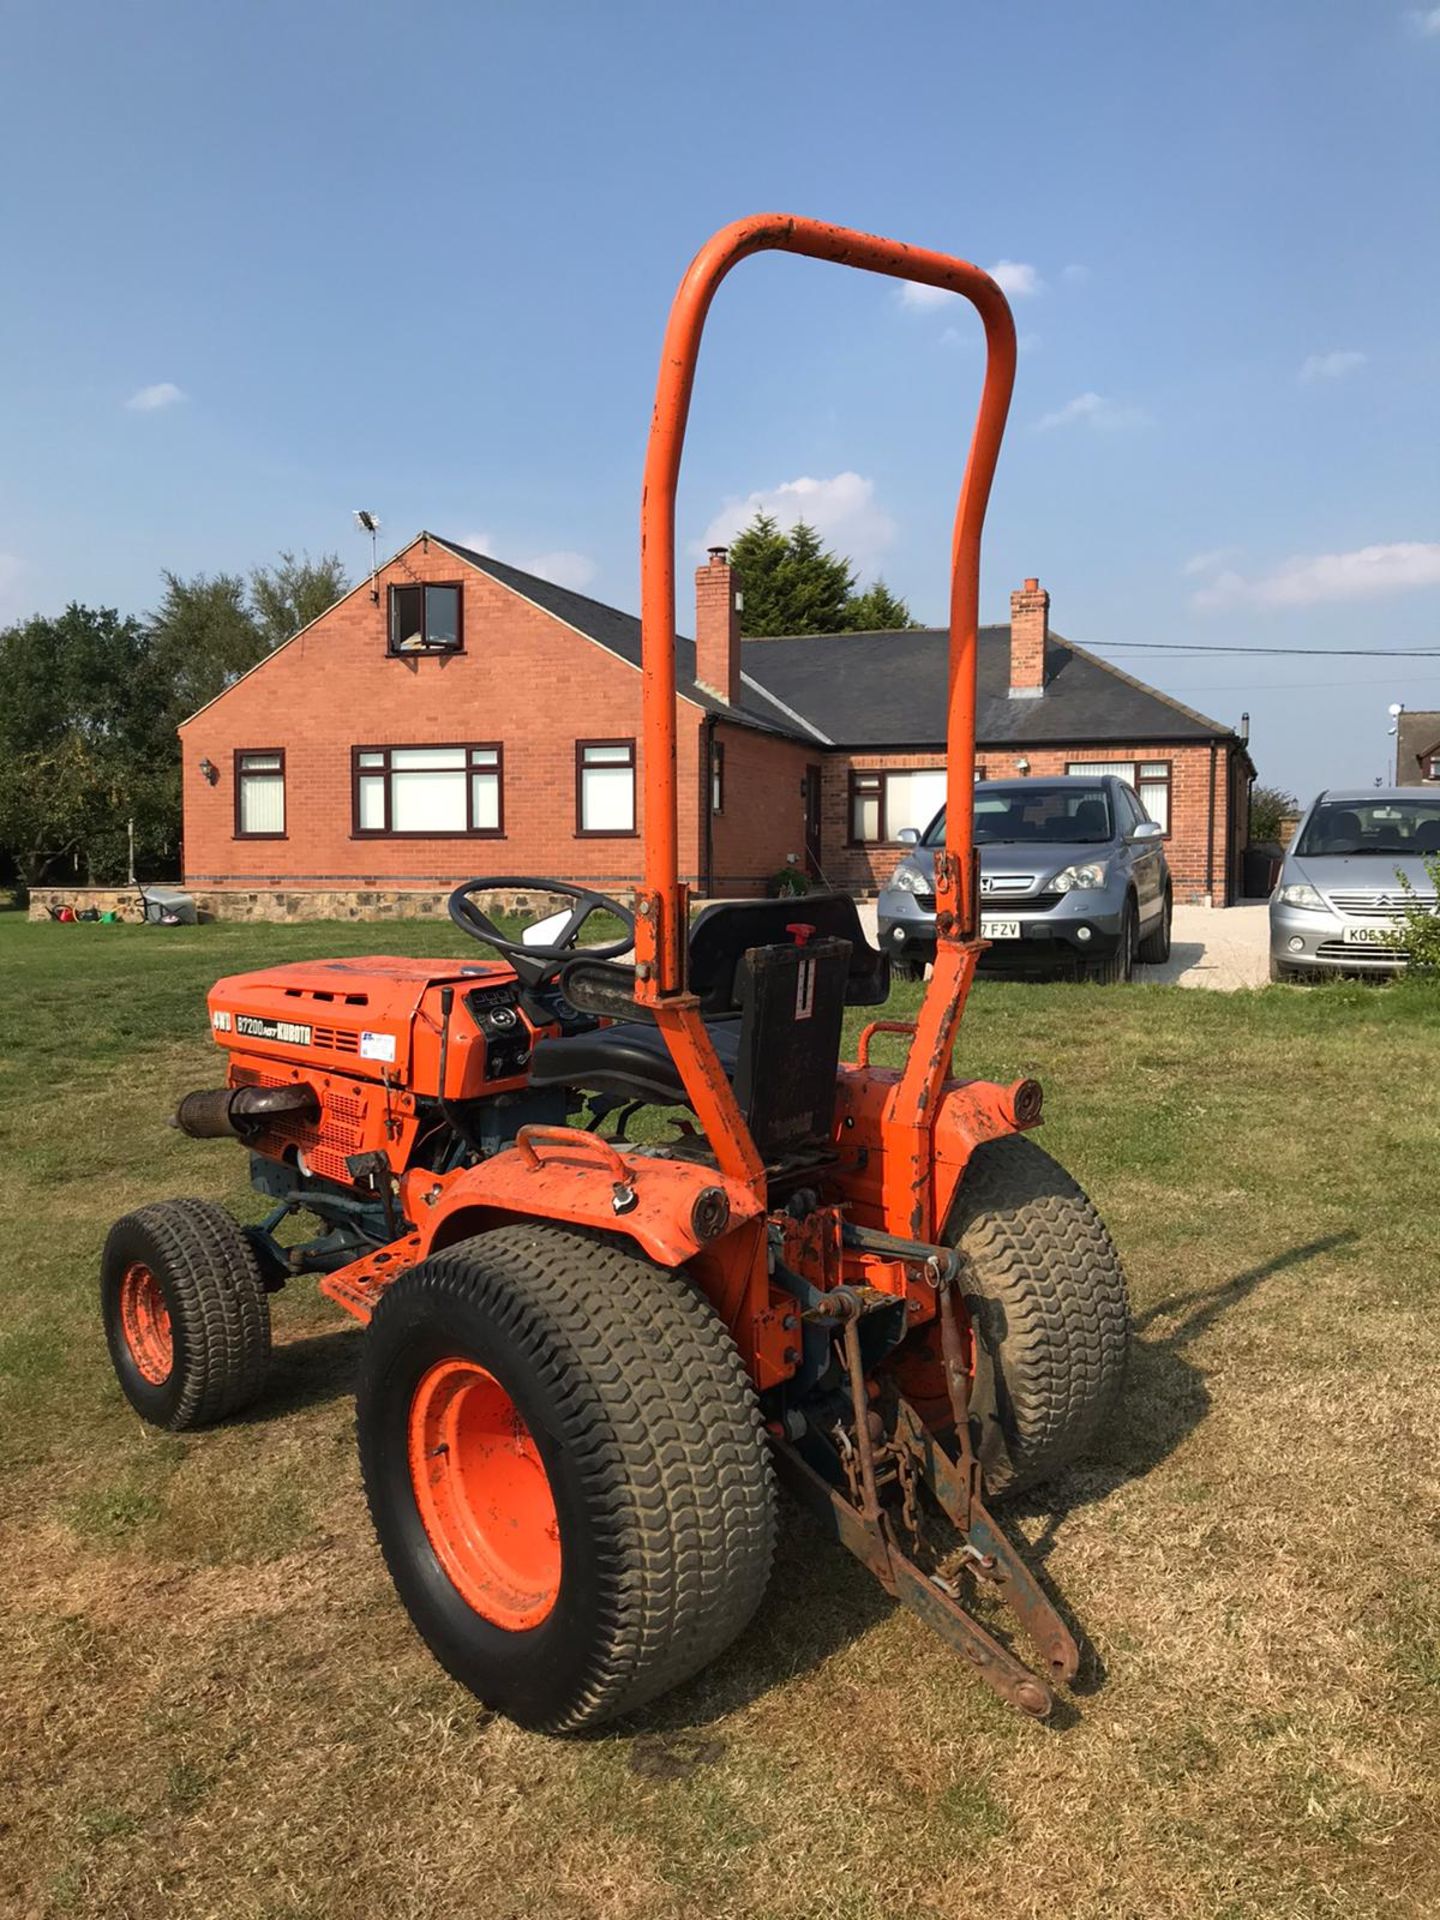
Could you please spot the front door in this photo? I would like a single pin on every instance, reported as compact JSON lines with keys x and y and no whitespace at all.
{"x":812,"y":822}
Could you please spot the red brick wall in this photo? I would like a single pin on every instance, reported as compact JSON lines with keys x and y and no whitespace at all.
{"x":524,"y":678}
{"x":1187,"y":849}
{"x":764,"y":816}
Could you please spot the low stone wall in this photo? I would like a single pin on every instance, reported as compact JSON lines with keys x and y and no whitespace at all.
{"x":297,"y":903}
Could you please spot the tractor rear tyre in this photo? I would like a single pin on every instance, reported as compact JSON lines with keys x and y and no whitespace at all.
{"x":1047,"y":1295}
{"x":567,"y":1472}
{"x":186,"y":1315}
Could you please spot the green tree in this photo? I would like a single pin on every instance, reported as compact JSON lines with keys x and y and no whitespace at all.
{"x":1270,"y":808}
{"x":288,"y":596}
{"x":877,"y":610}
{"x":793,"y":584}
{"x":75,"y":746}
{"x":203,"y":635}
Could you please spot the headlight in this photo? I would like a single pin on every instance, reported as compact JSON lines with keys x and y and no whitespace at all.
{"x":1299,"y":893}
{"x":1083,"y":878}
{"x":907,"y":880}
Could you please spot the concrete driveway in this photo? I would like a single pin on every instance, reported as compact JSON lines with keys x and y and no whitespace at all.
{"x":1220,"y":947}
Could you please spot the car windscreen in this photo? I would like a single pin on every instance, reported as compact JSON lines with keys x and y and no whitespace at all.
{"x":1383,"y":826}
{"x":1072,"y":816}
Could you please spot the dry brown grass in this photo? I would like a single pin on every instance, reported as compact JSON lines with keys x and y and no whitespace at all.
{"x":212,"y":1704}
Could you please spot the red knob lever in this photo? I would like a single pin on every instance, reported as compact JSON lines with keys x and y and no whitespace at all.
{"x":802,"y":930}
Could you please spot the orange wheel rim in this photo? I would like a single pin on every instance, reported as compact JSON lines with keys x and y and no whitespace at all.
{"x":484,"y":1495}
{"x":145,"y":1323}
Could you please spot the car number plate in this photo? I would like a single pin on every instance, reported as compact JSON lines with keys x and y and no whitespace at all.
{"x":993,"y":929}
{"x":1381,"y":935}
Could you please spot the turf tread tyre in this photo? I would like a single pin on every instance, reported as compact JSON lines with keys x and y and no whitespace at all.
{"x":1154,"y":949}
{"x":651,"y":1434}
{"x":1050,"y":1306}
{"x":219,"y":1312}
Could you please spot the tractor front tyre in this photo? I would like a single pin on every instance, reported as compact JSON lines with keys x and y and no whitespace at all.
{"x":1047,"y":1297}
{"x":187,"y":1319}
{"x":567,"y":1472}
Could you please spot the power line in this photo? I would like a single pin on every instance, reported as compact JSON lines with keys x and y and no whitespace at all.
{"x":1308,"y":653}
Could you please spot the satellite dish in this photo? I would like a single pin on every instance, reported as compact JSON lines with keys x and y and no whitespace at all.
{"x":1396,"y":709}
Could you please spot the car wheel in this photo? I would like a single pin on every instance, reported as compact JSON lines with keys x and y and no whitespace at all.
{"x":1119,"y":966}
{"x":1155,"y":947}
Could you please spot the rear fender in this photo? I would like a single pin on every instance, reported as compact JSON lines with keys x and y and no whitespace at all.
{"x":671,"y":1209}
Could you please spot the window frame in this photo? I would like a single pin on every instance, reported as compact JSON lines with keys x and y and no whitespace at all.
{"x":467,"y":832}
{"x":717,"y":776}
{"x":1083,"y":769}
{"x":239,"y":775}
{"x":582,"y":832}
{"x":426,"y":651}
{"x":883,"y":776}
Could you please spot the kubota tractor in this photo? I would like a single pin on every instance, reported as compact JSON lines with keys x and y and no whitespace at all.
{"x":588,"y":1360}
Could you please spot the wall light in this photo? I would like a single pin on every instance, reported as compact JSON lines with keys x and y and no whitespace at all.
{"x":1022,"y":765}
{"x":209,"y":771}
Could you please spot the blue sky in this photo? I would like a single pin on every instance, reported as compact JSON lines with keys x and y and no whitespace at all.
{"x":271,"y":262}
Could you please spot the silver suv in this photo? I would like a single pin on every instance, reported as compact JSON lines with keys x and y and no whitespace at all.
{"x":1072,"y":875}
{"x":1334,"y":908}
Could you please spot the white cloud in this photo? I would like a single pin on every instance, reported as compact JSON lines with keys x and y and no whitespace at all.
{"x":1208,"y":562}
{"x":1015,"y":279}
{"x":1310,"y":579}
{"x":151,"y":399}
{"x":479,"y":542}
{"x":1092,"y":410}
{"x":915,"y":293}
{"x":1425,"y":20}
{"x":1331,"y":366}
{"x":564,"y":567}
{"x":843,"y":510}
{"x":1075,"y":275}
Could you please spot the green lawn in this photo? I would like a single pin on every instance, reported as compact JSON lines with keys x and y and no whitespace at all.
{"x":213,"y":1705}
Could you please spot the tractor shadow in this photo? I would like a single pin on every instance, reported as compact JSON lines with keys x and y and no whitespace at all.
{"x":820,"y":1600}
{"x":307,"y":1371}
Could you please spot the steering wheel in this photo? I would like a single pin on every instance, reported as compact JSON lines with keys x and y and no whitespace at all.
{"x":473,"y":920}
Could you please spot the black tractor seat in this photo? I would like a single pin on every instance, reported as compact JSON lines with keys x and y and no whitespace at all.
{"x":773,"y":979}
{"x":630,"y":1058}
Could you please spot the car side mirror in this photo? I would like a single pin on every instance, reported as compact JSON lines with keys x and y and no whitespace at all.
{"x":1148,"y":830}
{"x":908,"y":836}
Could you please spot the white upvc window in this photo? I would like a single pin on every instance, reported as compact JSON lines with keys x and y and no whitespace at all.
{"x":605,"y":786}
{"x":1150,"y":779}
{"x":260,"y":794}
{"x":429,"y":791}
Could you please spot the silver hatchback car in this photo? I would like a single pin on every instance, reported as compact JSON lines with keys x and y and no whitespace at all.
{"x":1334,"y":908}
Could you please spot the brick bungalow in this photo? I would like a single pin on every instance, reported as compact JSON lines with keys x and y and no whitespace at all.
{"x":455,"y":716}
{"x":1417,"y":750}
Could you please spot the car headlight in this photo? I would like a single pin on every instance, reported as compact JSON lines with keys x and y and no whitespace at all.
{"x":1085,"y":878}
{"x":907,"y":880}
{"x":1299,"y":893}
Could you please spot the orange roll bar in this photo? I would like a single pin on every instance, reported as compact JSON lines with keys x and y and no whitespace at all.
{"x":662,"y":947}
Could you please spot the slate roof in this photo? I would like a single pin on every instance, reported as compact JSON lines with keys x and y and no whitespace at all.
{"x":620,"y":633}
{"x":866,"y":690}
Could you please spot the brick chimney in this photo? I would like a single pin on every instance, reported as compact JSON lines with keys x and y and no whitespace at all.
{"x":717,"y":628}
{"x":1029,"y":627}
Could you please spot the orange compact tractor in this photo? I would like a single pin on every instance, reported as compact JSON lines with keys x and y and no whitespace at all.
{"x":588,"y":1360}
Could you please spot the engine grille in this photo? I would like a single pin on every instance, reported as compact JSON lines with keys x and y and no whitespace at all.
{"x":338,"y":1039}
{"x":1340,"y":950}
{"x":1377,"y":903}
{"x":1036,"y":903}
{"x":326,"y":1143}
